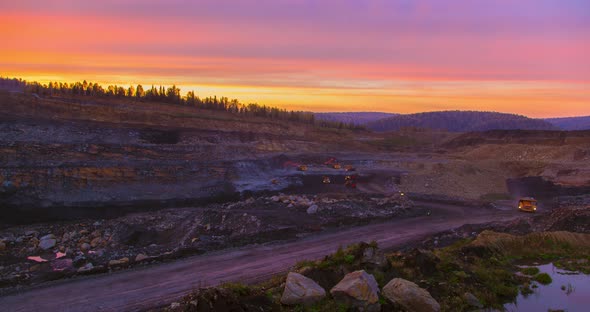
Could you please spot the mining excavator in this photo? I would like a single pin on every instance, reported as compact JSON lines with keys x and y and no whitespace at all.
{"x":350,"y":181}
{"x":332,"y":163}
{"x":349,"y":168}
{"x":527,"y":204}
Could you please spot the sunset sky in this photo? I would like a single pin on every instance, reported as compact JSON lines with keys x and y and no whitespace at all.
{"x":529,"y":57}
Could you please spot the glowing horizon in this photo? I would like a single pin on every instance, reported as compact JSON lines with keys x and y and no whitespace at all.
{"x":528,"y":58}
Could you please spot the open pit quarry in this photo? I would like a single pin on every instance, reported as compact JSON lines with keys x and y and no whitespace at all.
{"x":95,"y":187}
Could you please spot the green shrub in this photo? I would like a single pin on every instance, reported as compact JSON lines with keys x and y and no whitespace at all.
{"x":237,"y":288}
{"x":543,"y":278}
{"x":531,"y":271}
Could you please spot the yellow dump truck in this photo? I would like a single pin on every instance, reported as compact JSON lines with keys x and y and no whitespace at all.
{"x":527,"y":204}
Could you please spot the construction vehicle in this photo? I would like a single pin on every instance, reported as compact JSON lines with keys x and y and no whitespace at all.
{"x":349,"y":168}
{"x":527,"y":204}
{"x":330,"y":161}
{"x":326,"y":180}
{"x":350,"y":181}
{"x":302,"y":168}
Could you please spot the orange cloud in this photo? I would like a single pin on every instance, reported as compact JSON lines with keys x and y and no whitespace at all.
{"x":303,"y":65}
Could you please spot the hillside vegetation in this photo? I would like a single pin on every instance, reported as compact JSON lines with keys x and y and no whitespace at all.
{"x":356,"y":118}
{"x":460,"y":121}
{"x":87,"y":91}
{"x":571,"y":123}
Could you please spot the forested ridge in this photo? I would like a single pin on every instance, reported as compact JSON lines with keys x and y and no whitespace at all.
{"x":169,"y":95}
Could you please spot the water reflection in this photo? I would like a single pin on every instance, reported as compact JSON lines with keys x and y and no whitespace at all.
{"x":568,"y":292}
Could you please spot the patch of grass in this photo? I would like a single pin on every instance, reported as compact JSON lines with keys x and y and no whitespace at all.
{"x":238,"y":288}
{"x":543,"y":278}
{"x":306,"y":263}
{"x":499,"y":281}
{"x":396,"y":142}
{"x":274,"y":281}
{"x":342,"y":256}
{"x":535,"y":246}
{"x":326,"y":305}
{"x":380,"y":278}
{"x":525,"y":289}
{"x":574,"y":265}
{"x":531,"y":271}
{"x":461,"y":274}
{"x":349,"y":259}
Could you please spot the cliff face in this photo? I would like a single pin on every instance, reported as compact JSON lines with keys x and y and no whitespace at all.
{"x":56,"y":153}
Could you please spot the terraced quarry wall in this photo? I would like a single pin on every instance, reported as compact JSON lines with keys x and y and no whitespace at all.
{"x":68,"y":153}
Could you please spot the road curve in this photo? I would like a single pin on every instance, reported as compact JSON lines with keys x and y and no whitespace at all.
{"x":153,"y":286}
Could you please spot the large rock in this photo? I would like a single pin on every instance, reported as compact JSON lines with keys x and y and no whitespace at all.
{"x":425,"y":260}
{"x":47,"y":243}
{"x":120,"y":262}
{"x":472,"y":300}
{"x":141,"y":257}
{"x":85,"y":247}
{"x":410,"y":296}
{"x":60,"y":265}
{"x":301,"y":290}
{"x":372,"y":256}
{"x":358,"y":289}
{"x":312,"y":209}
{"x":48,"y":236}
{"x":95,"y":242}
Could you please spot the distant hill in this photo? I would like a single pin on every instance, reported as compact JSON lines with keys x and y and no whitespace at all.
{"x":571,"y":123}
{"x":460,"y":121}
{"x":357,"y":118}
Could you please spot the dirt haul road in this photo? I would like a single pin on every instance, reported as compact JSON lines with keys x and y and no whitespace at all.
{"x":158,"y":285}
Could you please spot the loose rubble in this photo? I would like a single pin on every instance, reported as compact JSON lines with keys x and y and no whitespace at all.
{"x":96,"y":246}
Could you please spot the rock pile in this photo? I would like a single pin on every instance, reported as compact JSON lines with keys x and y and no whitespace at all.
{"x":360,"y":291}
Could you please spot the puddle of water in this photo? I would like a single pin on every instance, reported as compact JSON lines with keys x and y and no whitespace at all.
{"x":575,"y":297}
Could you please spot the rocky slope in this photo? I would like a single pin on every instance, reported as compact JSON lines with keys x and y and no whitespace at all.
{"x":32,"y":254}
{"x":65,"y":157}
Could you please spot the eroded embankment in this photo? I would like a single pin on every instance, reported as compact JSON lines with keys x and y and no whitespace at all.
{"x":476,"y":271}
